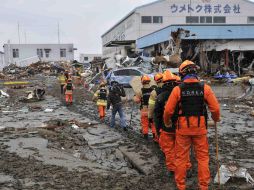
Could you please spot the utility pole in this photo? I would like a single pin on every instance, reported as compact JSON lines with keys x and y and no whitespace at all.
{"x":18,"y":33}
{"x":58,"y":32}
{"x":58,"y":35}
{"x":25,"y":37}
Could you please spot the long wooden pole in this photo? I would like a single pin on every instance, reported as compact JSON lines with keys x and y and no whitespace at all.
{"x":217,"y":151}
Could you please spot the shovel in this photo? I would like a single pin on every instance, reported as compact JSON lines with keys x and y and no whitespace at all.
{"x":217,"y":152}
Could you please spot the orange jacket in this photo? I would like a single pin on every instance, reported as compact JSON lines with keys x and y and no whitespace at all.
{"x":182,"y":127}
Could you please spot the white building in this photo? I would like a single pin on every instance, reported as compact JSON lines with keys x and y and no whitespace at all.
{"x":24,"y":54}
{"x":152,"y":17}
{"x":87,"y":58}
{"x":2,"y":64}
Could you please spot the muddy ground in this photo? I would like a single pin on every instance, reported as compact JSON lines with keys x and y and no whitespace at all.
{"x":46,"y":150}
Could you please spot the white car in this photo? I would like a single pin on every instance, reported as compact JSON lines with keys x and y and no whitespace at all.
{"x":124,"y":75}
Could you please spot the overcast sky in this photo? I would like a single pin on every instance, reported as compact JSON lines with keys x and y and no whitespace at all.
{"x":82,"y":22}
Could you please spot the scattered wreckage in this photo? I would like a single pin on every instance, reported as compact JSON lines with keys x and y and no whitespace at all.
{"x":232,"y":171}
{"x":34,"y":96}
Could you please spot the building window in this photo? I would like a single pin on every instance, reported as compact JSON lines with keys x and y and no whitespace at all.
{"x":146,"y":19}
{"x":219,"y":19}
{"x":157,"y":19}
{"x":206,"y":19}
{"x":192,"y":19}
{"x":47,"y":51}
{"x":250,"y":19}
{"x":15,"y":53}
{"x":85,"y":58}
{"x":62,"y":52}
{"x":39,"y":53}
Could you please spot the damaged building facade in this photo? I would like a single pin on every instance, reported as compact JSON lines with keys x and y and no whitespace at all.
{"x":214,"y":34}
{"x":25,"y":54}
{"x":218,"y":31}
{"x":151,"y":17}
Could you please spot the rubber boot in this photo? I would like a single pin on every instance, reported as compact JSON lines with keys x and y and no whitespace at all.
{"x":146,"y":136}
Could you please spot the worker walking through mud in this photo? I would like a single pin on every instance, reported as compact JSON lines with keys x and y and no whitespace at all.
{"x":191,"y":98}
{"x":154,"y":94}
{"x":167,"y":135}
{"x":68,"y":88}
{"x":142,"y":98}
{"x":100,"y":97}
{"x":62,"y":80}
{"x":116,"y":92}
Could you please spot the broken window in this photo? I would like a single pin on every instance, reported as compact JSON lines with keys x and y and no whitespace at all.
{"x":62,"y":52}
{"x":192,"y":19}
{"x":47,"y":51}
{"x":15,"y":53}
{"x":39,"y":53}
{"x":157,"y":19}
{"x":250,"y":19}
{"x":206,"y":19}
{"x":146,"y":19}
{"x":219,"y":19}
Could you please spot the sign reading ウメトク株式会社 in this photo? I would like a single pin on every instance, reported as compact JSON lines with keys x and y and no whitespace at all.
{"x":206,"y":8}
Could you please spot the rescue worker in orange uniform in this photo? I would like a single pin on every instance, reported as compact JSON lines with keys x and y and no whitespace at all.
{"x":166,"y":135}
{"x":101,"y":96}
{"x":142,"y":97}
{"x":154,"y":94}
{"x":68,"y":88}
{"x":191,"y":98}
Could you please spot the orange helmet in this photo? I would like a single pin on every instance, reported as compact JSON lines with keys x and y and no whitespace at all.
{"x":185,"y":66}
{"x":158,"y":77}
{"x":168,"y":76}
{"x":145,"y":79}
{"x":178,"y":79}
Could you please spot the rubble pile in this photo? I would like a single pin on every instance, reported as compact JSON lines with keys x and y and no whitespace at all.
{"x":13,"y":71}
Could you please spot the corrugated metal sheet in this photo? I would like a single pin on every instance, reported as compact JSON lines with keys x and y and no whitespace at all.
{"x":202,"y":32}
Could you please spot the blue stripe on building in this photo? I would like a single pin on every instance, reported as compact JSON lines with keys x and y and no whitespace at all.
{"x":199,"y":32}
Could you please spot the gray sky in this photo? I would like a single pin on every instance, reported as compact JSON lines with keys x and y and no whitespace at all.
{"x":82,"y":22}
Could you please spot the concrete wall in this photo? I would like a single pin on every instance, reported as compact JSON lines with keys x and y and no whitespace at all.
{"x":29,"y":51}
{"x":131,"y":28}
